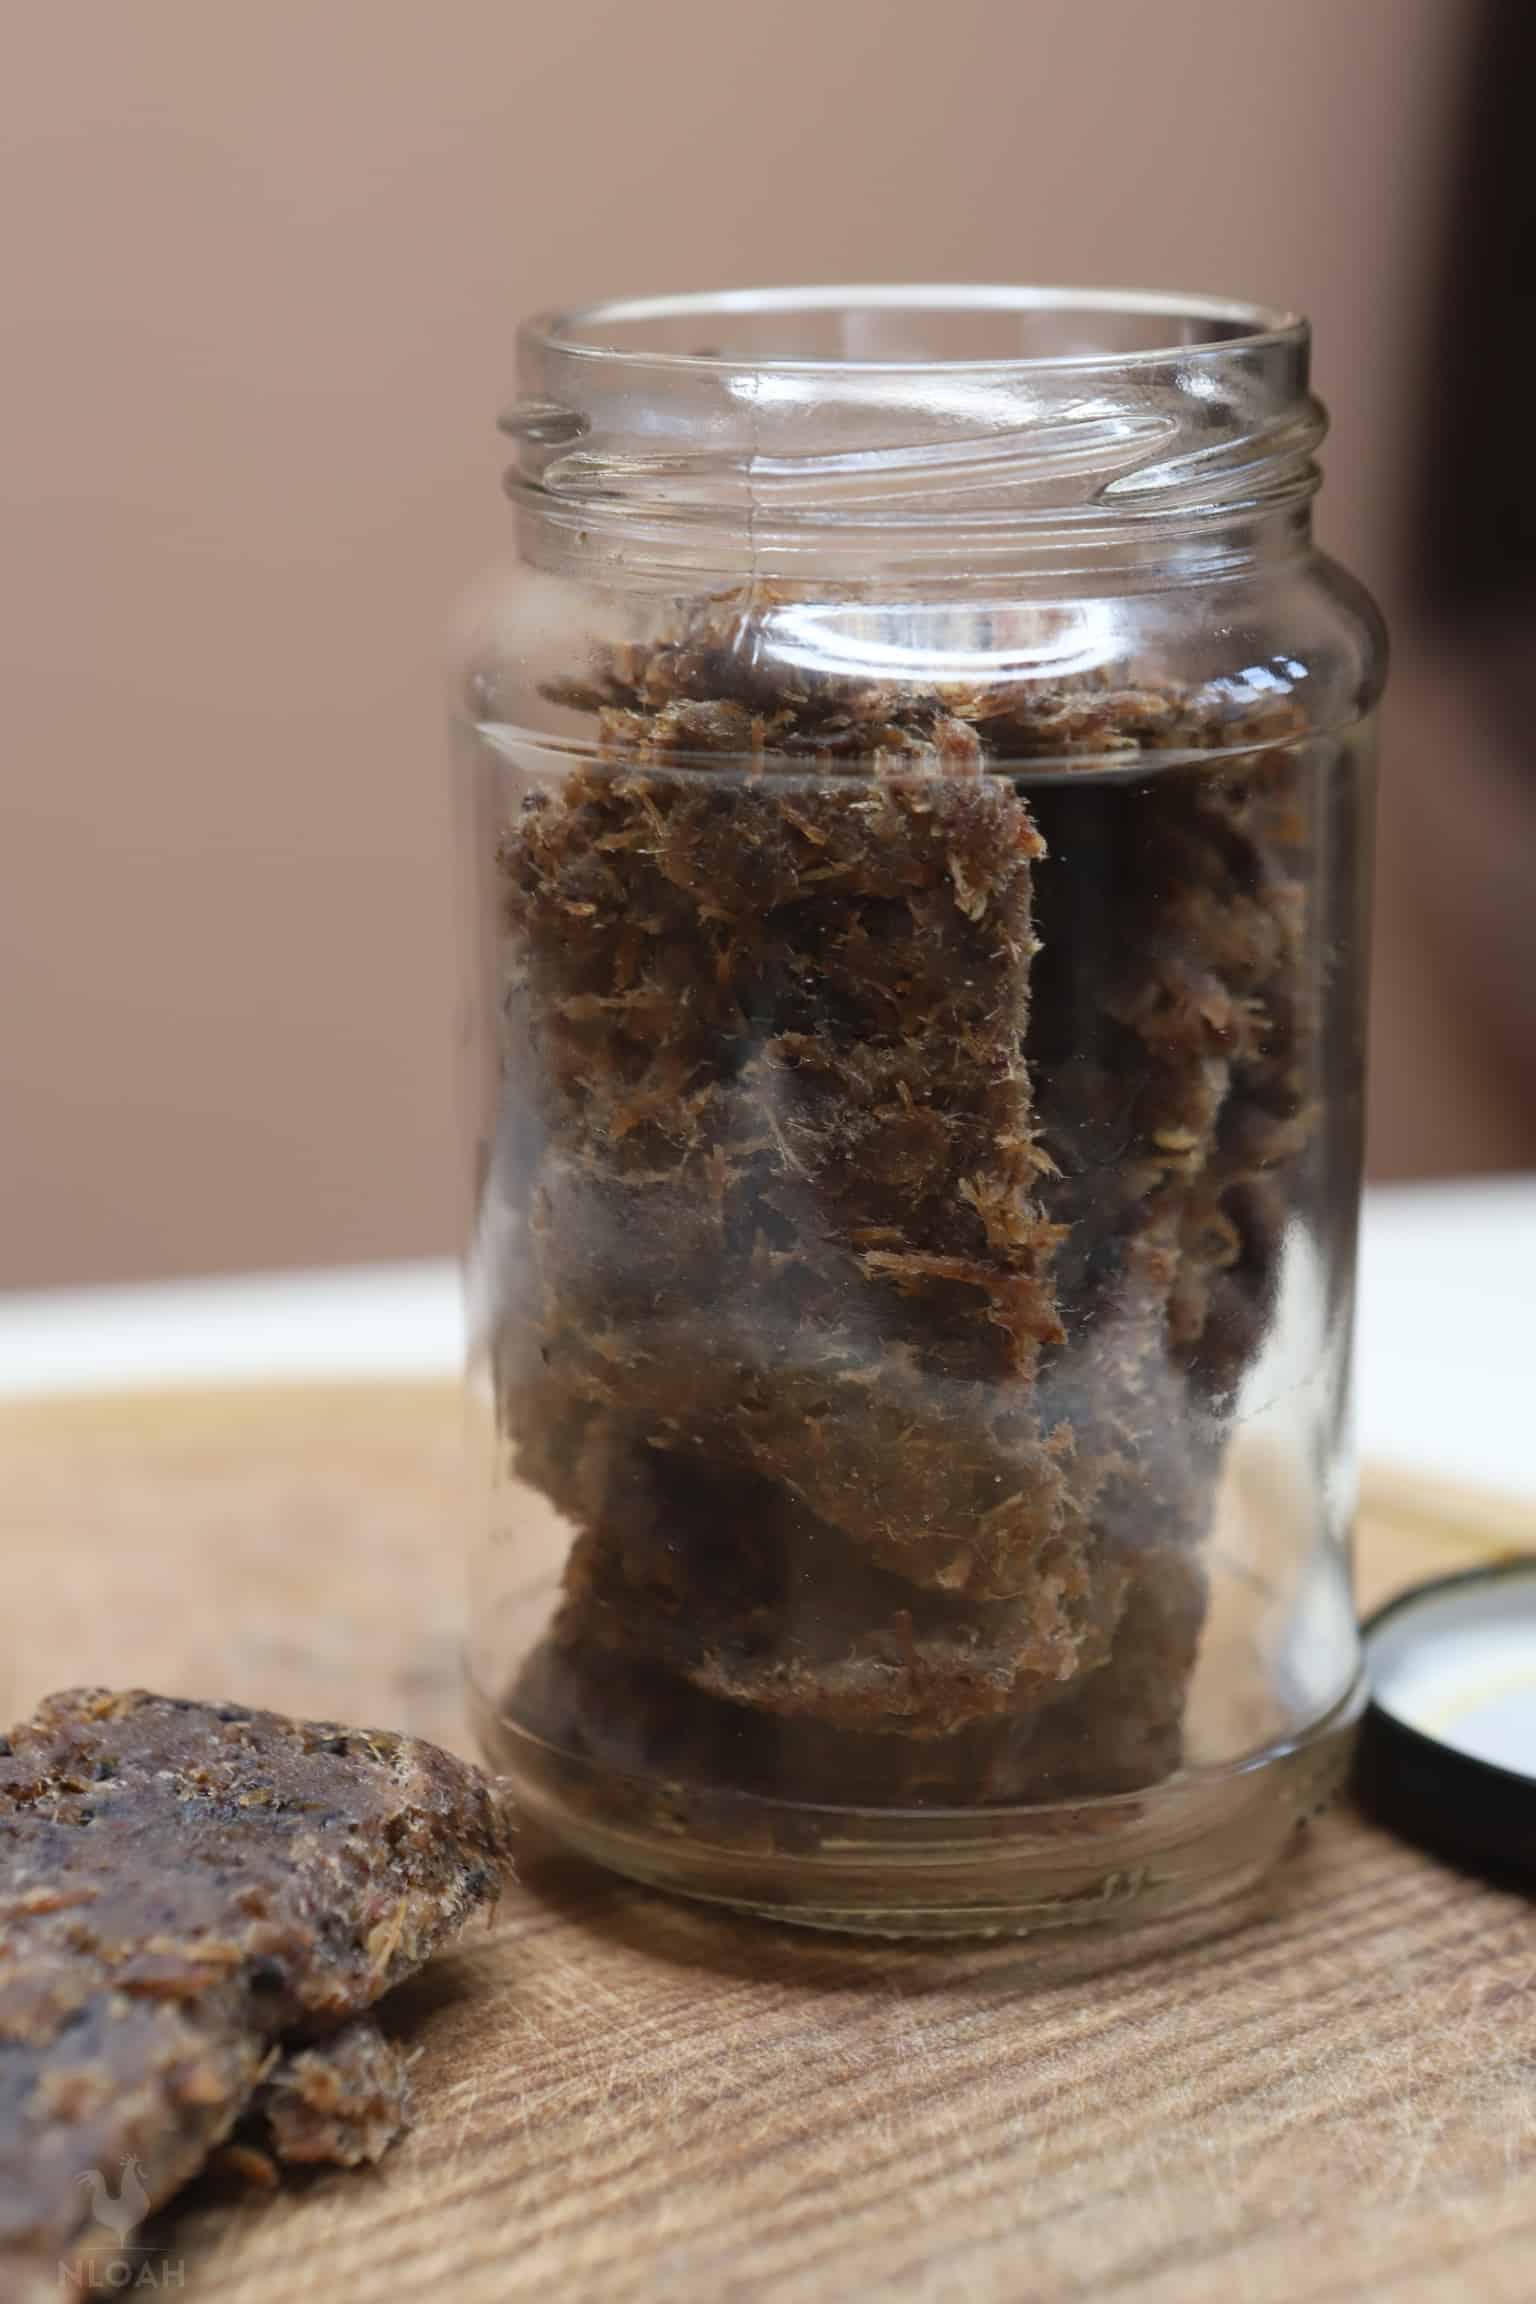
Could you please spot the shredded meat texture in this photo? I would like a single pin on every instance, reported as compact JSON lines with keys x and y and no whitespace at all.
{"x":184,"y":1887}
{"x":342,"y":2101}
{"x":902,"y":1150}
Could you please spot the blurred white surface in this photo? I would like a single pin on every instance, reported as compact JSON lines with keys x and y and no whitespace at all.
{"x":1444,"y":1366}
{"x":366,"y":1320}
{"x":1443,"y":1362}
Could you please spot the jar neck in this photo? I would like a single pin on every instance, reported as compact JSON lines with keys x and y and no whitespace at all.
{"x":841,"y":437}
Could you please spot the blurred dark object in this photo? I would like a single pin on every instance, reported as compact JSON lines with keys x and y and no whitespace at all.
{"x":1477,"y":553}
{"x":1455,"y":1010}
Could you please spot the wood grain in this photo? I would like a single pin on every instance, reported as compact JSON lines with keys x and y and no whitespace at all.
{"x":624,"y":2099}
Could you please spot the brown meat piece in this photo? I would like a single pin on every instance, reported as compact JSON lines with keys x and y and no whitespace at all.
{"x":1118,"y":1729}
{"x":901,"y":1184}
{"x":343,"y":2099}
{"x":742,"y":1131}
{"x":180,"y":1885}
{"x":803,"y":1639}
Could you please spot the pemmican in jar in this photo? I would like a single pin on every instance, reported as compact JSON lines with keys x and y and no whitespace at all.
{"x":916,"y":785}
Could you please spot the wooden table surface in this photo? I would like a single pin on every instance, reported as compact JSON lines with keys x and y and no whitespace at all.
{"x":624,"y":2098}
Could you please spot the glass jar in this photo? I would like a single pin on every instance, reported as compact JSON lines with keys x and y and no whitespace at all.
{"x":917,"y":779}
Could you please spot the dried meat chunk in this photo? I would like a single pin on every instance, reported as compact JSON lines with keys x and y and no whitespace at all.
{"x":341,"y":2100}
{"x":794,"y":1625}
{"x":901,"y":1186}
{"x":181,"y":1884}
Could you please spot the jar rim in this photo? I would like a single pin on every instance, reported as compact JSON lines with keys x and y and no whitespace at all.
{"x":1196,"y":325}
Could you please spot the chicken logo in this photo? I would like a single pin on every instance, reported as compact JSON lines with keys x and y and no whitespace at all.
{"x":131,"y":2206}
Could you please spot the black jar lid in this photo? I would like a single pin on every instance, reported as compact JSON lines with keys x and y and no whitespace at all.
{"x":1447,"y":1750}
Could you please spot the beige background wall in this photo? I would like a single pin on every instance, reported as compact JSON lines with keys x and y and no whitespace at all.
{"x":262,"y":264}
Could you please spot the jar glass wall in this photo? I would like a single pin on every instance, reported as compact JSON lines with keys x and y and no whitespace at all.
{"x":916,"y":777}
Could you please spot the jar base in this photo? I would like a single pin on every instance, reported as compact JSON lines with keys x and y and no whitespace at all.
{"x":1200,"y":1844}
